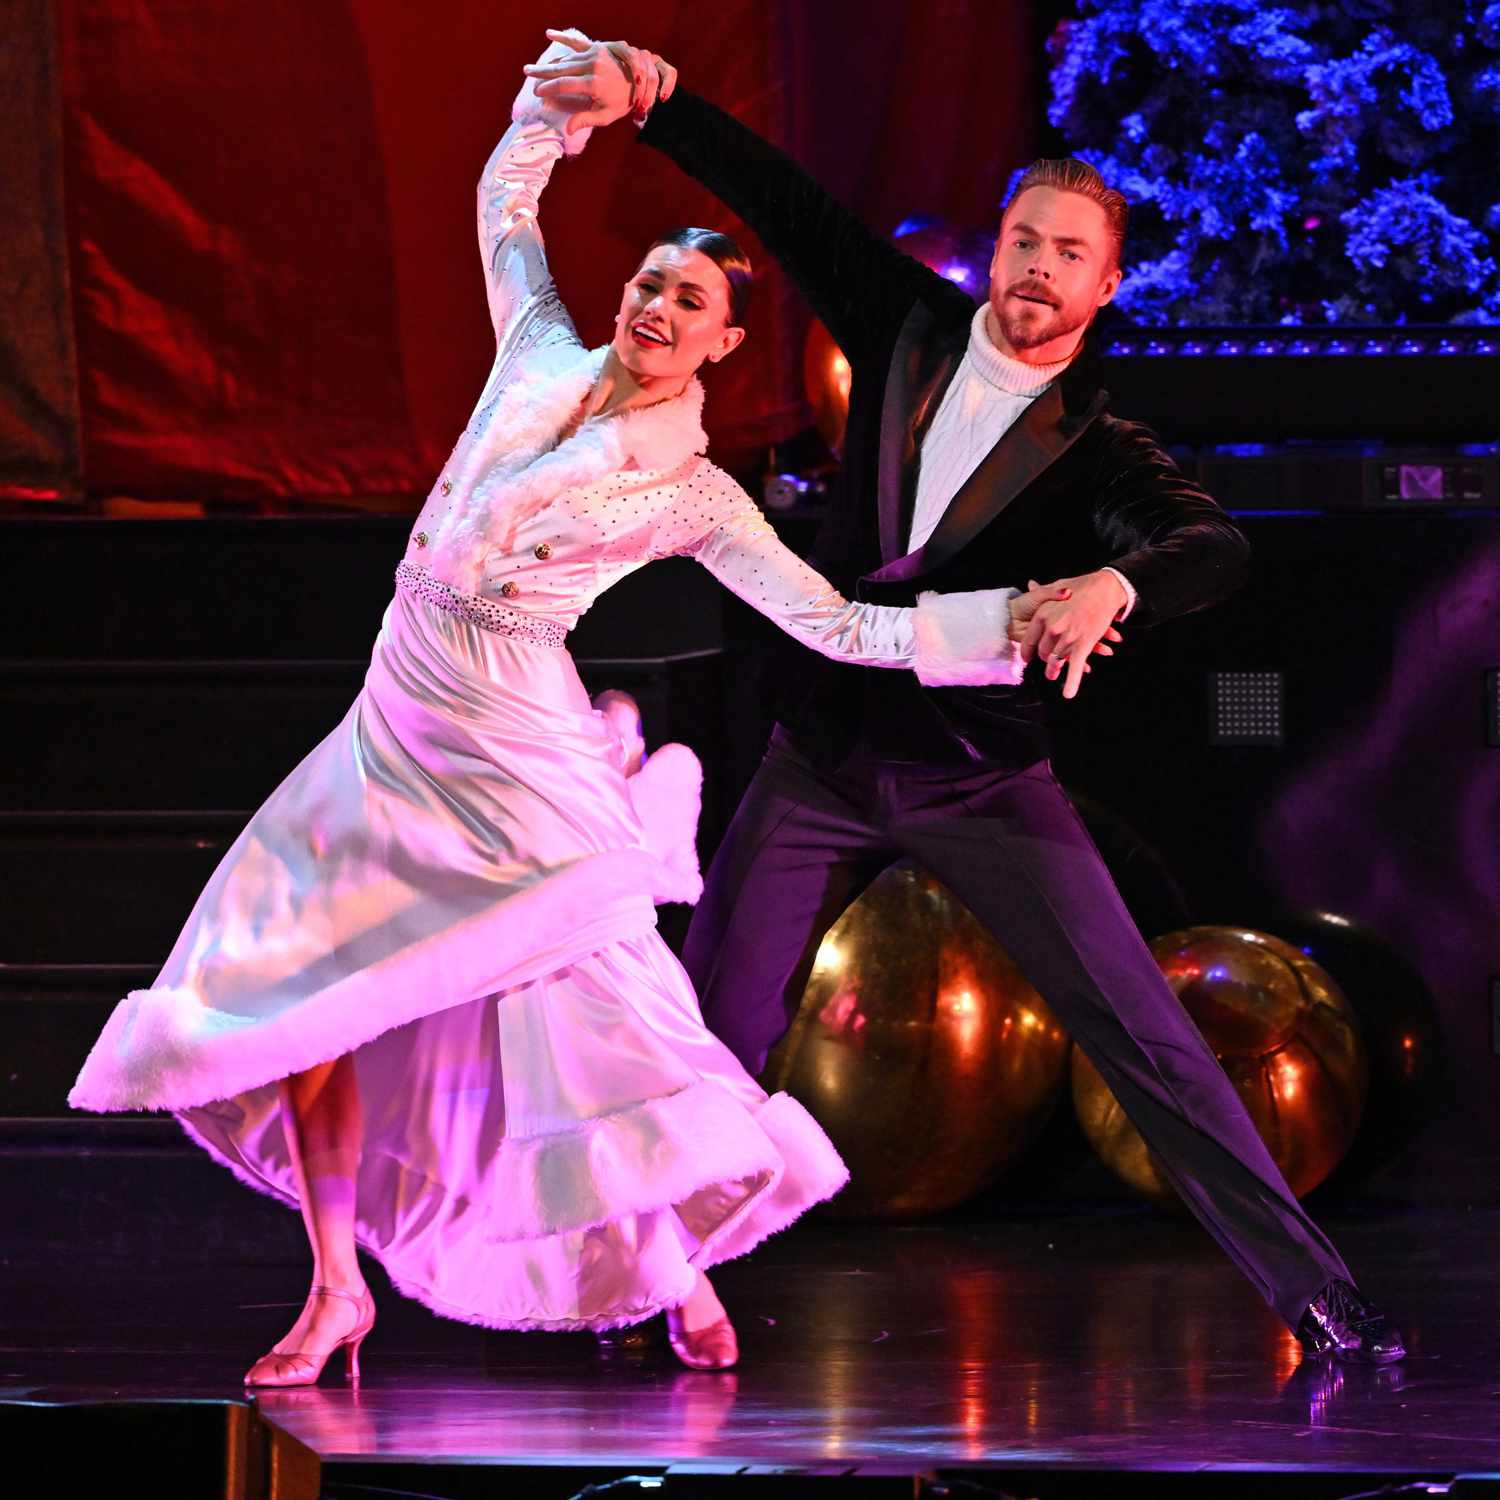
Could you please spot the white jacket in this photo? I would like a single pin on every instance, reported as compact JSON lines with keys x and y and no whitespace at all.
{"x":544,"y":527}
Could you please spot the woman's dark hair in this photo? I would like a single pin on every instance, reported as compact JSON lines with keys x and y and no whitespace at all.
{"x":725,"y":254}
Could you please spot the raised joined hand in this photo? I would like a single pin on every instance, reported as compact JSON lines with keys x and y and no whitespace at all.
{"x":601,"y":82}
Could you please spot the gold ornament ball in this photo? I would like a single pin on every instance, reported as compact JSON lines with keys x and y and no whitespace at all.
{"x":920,"y":1049}
{"x":1283,"y":1032}
{"x":826,"y":376}
{"x":960,"y":255}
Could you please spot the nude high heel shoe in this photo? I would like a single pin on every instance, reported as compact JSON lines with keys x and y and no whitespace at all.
{"x":304,"y":1369}
{"x":713,"y":1348}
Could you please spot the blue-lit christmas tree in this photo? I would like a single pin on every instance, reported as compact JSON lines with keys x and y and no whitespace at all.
{"x":1324,"y":162}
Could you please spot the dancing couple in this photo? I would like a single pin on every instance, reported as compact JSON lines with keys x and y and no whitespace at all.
{"x":422,"y":998}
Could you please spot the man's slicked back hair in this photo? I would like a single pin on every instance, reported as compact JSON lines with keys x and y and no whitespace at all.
{"x":1066,"y":174}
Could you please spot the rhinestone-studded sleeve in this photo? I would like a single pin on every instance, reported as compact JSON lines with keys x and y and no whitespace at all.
{"x":523,"y":301}
{"x":730,"y":536}
{"x":949,"y":640}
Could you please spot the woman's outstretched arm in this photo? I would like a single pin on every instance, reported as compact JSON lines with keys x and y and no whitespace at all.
{"x":948,"y":640}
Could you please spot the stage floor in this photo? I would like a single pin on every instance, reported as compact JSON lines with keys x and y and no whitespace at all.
{"x":1114,"y":1339}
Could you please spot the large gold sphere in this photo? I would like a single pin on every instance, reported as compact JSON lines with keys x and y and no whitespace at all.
{"x":1285,"y":1035}
{"x":826,"y":377}
{"x":920,"y":1049}
{"x":1398,"y":1020}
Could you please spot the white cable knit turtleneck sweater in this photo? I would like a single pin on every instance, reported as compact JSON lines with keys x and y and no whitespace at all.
{"x":989,"y":391}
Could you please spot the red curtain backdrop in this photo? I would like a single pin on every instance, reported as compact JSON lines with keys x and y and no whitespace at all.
{"x":39,"y":457}
{"x":276,"y":286}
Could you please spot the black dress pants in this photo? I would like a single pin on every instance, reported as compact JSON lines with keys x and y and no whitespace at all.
{"x":806,"y":842}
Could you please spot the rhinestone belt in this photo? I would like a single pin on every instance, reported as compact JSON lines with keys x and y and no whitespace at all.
{"x":485,"y":613}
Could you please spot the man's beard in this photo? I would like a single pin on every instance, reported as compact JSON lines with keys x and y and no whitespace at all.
{"x":1031,"y":332}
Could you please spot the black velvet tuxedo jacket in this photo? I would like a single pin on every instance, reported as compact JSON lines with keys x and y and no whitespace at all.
{"x":1066,"y":490}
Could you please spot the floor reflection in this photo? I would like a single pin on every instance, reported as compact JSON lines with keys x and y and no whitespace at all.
{"x":1121,"y":1339}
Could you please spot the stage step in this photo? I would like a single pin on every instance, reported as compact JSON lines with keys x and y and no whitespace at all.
{"x":117,"y":735}
{"x":50,"y":1015}
{"x":133,"y":1189}
{"x":104,"y":887}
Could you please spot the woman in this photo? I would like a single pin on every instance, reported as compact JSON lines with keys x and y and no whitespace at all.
{"x":422,"y":997}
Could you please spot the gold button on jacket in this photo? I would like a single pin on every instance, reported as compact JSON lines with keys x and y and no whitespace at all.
{"x":542,"y":550}
{"x":446,"y":486}
{"x":510,"y":590}
{"x":420,"y":539}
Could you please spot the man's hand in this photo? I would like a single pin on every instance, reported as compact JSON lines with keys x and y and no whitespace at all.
{"x":601,"y":82}
{"x":655,"y":78}
{"x":1068,"y":621}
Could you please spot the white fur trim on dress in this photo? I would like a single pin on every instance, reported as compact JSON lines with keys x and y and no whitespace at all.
{"x":819,"y":1172}
{"x":513,"y":471}
{"x":963,"y":639}
{"x":732,"y":1175}
{"x":667,"y":794}
{"x":167,"y":1049}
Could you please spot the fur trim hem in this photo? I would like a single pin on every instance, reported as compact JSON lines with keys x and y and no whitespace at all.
{"x":799,"y":1168}
{"x":815,"y":1173}
{"x":167,"y":1048}
{"x":963,"y":640}
{"x":641,"y":1159}
{"x":652,"y":1155}
{"x":620,"y":1318}
{"x":418,"y":1290}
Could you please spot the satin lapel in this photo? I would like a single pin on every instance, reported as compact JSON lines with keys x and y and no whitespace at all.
{"x":913,"y":389}
{"x":1042,"y":435}
{"x":1024,"y":451}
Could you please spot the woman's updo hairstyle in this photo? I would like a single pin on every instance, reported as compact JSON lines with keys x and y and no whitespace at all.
{"x":726,"y":254}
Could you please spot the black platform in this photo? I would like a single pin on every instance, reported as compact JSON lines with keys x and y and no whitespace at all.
{"x":1089,"y":1354}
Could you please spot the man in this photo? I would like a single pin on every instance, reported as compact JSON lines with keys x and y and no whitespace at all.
{"x":979,"y":454}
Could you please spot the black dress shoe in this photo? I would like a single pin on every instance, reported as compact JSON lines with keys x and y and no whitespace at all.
{"x":632,"y":1341}
{"x":1338,"y":1321}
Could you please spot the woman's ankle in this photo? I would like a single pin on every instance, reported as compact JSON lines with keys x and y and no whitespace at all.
{"x":339,"y":1278}
{"x":701,"y":1307}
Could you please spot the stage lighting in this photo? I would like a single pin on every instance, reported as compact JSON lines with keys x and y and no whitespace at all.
{"x":1300,"y":341}
{"x":1245,"y":708}
{"x":1457,"y":478}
